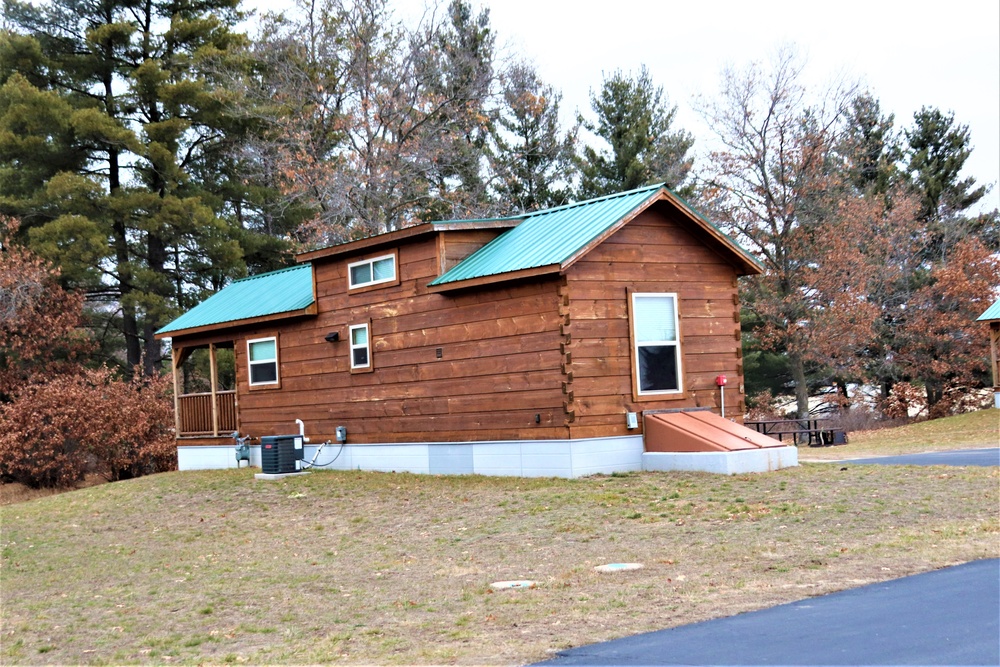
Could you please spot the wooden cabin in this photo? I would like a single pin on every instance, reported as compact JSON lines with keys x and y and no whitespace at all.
{"x":992,"y":318}
{"x":529,"y":345}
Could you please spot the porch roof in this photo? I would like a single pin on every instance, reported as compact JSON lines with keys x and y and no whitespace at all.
{"x":992,"y":313}
{"x":286,"y":291}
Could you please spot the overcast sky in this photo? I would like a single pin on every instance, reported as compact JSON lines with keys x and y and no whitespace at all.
{"x":908,"y":54}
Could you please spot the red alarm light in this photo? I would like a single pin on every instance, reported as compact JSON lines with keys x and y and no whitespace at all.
{"x":720,"y":381}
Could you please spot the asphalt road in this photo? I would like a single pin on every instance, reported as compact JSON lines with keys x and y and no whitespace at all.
{"x":945,"y":617}
{"x":959,"y":457}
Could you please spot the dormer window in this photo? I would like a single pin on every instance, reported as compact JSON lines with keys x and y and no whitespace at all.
{"x":372,"y":271}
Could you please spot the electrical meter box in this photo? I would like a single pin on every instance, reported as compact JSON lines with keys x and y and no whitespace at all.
{"x":281,"y":454}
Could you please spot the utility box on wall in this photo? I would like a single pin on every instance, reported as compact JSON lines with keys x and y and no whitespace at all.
{"x":281,"y":454}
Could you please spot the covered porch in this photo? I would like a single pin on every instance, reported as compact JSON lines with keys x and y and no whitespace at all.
{"x":205,"y":402}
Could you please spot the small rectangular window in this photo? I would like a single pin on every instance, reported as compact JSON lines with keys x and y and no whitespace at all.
{"x":360,"y":347}
{"x":657,"y":345}
{"x":372,"y":271}
{"x":262,"y":355}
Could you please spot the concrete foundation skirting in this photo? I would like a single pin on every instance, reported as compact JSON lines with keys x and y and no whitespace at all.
{"x":536,"y":458}
{"x":724,"y":463}
{"x":533,"y":458}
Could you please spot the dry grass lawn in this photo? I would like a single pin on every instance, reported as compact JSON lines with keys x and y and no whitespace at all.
{"x":970,"y":431}
{"x":352,"y":567}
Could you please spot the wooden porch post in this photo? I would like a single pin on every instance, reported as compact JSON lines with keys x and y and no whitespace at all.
{"x":175,"y":365}
{"x":995,"y":352}
{"x":215,"y":382}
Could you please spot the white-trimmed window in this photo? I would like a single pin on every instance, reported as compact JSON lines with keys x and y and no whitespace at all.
{"x":361,"y":350}
{"x":657,"y":350}
{"x":262,"y":356}
{"x":371,"y":271}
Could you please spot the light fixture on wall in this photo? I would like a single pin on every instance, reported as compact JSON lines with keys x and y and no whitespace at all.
{"x":333,"y":337}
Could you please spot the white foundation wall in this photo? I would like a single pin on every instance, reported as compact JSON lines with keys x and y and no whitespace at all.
{"x":724,"y":463}
{"x":540,"y":458}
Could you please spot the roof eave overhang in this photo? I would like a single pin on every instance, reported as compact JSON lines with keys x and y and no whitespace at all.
{"x":308,"y":311}
{"x":495,"y":278}
{"x":746,"y":264}
{"x":395,"y":237}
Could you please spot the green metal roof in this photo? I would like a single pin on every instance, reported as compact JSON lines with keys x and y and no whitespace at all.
{"x":549,"y":237}
{"x":992,"y":313}
{"x":282,"y":291}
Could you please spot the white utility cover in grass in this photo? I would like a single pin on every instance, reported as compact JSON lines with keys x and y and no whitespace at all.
{"x":618,"y":567}
{"x":271,"y":476}
{"x":505,"y":585}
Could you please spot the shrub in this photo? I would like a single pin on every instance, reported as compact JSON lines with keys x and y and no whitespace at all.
{"x":129,"y":430}
{"x":51,"y":431}
{"x":39,"y":445}
{"x":39,"y":334}
{"x":761,"y":406}
{"x":903,"y":399}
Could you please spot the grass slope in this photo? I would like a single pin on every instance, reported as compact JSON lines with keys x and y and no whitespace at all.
{"x":969,"y":431}
{"x":352,"y":567}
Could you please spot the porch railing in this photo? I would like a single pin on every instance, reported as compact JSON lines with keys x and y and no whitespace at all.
{"x":194,"y":412}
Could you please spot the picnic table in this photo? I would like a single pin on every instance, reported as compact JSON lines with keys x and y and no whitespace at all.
{"x":812,"y":431}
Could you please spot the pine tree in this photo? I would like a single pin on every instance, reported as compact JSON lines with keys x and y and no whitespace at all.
{"x":135,"y":122}
{"x":530,"y":160}
{"x":463,"y":59}
{"x":937,"y":151}
{"x":870,"y":147}
{"x":635,"y":121}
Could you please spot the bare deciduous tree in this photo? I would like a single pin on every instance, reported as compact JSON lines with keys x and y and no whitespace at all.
{"x":773,"y":186}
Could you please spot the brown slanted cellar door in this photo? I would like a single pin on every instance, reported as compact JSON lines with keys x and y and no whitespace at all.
{"x":700,"y":432}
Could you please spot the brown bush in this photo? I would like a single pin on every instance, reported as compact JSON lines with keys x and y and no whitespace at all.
{"x":129,"y":429}
{"x":51,"y":431}
{"x":39,"y":321}
{"x":957,"y":399}
{"x":761,"y":407}
{"x":903,"y":398}
{"x":39,"y":444}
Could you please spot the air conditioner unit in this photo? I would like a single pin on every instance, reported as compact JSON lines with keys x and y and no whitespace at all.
{"x":281,"y":454}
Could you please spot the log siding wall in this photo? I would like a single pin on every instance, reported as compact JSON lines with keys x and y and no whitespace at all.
{"x":500,"y":362}
{"x":653,"y":253}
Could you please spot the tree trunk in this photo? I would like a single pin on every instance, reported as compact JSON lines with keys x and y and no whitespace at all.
{"x":157,"y":261}
{"x":935,"y":392}
{"x":130,"y":326}
{"x":798,"y":367}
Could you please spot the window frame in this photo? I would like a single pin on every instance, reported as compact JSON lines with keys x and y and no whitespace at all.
{"x":393,"y":280}
{"x":634,"y":298}
{"x":270,"y":384}
{"x":356,"y":368}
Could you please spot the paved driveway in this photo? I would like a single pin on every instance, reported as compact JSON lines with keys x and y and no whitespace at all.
{"x":959,"y":457}
{"x":945,"y":617}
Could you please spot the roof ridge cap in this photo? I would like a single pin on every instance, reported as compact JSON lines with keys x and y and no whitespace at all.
{"x":271,"y":273}
{"x":585,"y":202}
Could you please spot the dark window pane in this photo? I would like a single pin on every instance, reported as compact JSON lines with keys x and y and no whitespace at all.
{"x":360,"y":357}
{"x":361,"y":274}
{"x":658,"y":368}
{"x":260,"y":373}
